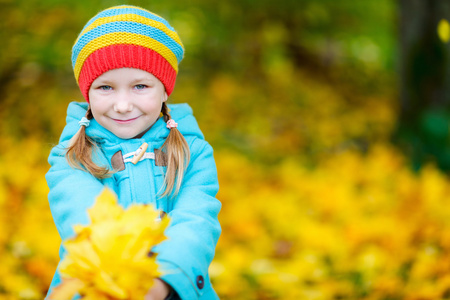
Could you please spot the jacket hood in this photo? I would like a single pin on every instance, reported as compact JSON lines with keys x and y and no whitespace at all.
{"x":181,"y":113}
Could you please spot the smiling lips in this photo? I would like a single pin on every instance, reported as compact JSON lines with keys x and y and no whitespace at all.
{"x":125,"y":121}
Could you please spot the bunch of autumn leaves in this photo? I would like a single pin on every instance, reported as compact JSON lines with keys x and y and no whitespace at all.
{"x":108,"y":259}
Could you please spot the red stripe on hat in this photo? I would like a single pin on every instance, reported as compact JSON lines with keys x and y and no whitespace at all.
{"x":125,"y":56}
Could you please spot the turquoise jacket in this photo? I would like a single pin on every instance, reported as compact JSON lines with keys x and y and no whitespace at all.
{"x":194,"y":228}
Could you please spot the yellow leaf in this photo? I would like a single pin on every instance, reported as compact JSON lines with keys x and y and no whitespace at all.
{"x":106,"y":284}
{"x":104,"y":236}
{"x":67,"y":289}
{"x":109,"y":256}
{"x":105,"y":207}
{"x":82,"y":253}
{"x":444,"y":30}
{"x":78,"y":229}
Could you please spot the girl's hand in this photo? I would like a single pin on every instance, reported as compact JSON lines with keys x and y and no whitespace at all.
{"x":159,"y":291}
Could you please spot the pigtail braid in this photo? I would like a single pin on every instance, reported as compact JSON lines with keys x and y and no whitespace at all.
{"x":176,"y":152}
{"x":79,"y":152}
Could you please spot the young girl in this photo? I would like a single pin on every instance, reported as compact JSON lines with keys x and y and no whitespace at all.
{"x":128,"y":139}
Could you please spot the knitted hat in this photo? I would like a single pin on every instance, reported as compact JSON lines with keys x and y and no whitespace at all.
{"x":126,"y":37}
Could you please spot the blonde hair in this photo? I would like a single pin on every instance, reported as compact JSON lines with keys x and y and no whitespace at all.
{"x":174,"y":154}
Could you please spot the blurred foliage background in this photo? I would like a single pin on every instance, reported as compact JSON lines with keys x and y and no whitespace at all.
{"x":329,"y":121}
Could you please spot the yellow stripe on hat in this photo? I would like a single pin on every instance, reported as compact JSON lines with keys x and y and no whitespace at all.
{"x":117,"y":38}
{"x":132,"y":18}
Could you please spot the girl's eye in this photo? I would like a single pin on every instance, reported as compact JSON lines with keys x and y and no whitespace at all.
{"x":105,"y":88}
{"x":140,"y":86}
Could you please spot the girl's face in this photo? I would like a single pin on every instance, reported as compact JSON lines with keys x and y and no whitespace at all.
{"x":126,"y":101}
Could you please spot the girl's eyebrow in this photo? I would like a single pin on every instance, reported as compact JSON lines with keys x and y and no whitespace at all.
{"x":107,"y":81}
{"x":103,"y":81}
{"x":140,"y":79}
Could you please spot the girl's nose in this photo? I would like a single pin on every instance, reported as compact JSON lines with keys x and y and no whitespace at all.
{"x":123,"y":105}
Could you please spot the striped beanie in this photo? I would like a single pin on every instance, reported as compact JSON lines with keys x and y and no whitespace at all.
{"x":126,"y":37}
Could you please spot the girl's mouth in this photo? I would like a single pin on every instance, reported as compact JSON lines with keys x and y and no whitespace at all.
{"x":127,"y":121}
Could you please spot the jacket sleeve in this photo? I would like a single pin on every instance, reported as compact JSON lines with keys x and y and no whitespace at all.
{"x":194,"y":228}
{"x":72,"y":192}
